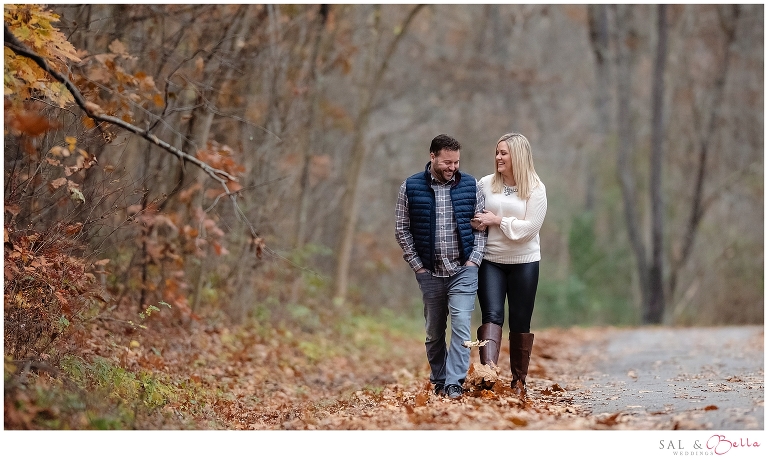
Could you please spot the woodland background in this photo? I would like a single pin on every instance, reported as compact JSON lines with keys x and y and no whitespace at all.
{"x":646,"y":124}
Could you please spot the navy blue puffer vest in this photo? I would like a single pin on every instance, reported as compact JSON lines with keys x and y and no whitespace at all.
{"x":421,"y":207}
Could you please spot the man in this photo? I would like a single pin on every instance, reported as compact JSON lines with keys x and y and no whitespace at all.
{"x":433,"y":214}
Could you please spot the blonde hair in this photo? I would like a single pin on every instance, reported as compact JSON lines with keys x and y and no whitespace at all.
{"x":522,"y":166}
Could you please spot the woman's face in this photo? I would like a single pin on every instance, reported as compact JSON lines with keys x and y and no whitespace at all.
{"x":503,"y":159}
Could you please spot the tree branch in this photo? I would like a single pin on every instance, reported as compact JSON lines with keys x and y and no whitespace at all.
{"x":391,"y":49}
{"x":94,"y":111}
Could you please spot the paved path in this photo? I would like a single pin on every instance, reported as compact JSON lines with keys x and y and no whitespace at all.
{"x":677,"y":378}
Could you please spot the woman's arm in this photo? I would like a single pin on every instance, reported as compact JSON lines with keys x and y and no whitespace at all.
{"x":523,"y":230}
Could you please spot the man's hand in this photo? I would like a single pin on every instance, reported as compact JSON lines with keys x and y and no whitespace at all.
{"x":421,"y":270}
{"x":470,"y":264}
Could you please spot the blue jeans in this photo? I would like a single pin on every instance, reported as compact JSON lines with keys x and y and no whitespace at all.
{"x":454,"y":295}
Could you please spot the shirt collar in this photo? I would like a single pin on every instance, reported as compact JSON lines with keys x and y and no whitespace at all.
{"x":436,"y":181}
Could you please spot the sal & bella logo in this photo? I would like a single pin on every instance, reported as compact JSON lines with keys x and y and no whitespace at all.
{"x":716,"y":444}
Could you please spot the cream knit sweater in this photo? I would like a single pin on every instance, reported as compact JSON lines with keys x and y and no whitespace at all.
{"x":516,"y":241}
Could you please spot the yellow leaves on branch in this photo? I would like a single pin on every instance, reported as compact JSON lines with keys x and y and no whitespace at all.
{"x":31,"y":24}
{"x":116,"y":70}
{"x":23,"y":78}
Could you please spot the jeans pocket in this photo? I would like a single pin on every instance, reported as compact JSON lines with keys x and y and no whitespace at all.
{"x":422,"y":277}
{"x":471,"y":270}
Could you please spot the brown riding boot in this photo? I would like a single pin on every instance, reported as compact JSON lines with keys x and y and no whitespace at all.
{"x":489,"y":353}
{"x":520,"y":346}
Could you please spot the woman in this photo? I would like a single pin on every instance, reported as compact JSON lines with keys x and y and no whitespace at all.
{"x":515,"y":206}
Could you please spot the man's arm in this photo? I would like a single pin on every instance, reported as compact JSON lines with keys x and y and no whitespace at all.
{"x":403,"y":231}
{"x":480,"y":236}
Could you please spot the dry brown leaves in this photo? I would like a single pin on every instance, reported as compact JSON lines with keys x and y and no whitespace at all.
{"x":274,"y":387}
{"x":270,"y":381}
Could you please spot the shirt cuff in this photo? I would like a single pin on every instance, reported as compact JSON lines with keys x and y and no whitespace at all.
{"x":476,"y":257}
{"x":416,"y":264}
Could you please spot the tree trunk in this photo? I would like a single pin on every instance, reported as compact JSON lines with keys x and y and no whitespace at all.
{"x":352,"y":176}
{"x":705,"y":140}
{"x":625,"y":171}
{"x":315,"y":85}
{"x":599,"y":39}
{"x":655,"y":309}
{"x":230,"y":49}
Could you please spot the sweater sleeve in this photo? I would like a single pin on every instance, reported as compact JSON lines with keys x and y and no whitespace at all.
{"x":524,"y":230}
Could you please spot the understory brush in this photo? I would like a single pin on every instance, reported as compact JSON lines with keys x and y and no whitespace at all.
{"x":204,"y":375}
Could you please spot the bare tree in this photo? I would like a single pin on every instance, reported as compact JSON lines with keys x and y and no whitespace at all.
{"x":654,"y":312}
{"x":358,"y":153}
{"x":729,"y":17}
{"x":624,"y":166}
{"x":314,"y":76}
{"x":600,"y":41}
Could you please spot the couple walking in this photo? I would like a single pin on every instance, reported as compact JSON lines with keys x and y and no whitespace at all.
{"x":465,"y":237}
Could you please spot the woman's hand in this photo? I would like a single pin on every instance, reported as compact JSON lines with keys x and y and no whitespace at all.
{"x":485,"y":219}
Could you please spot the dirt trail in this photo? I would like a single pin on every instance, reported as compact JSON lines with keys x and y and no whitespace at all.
{"x":676,"y":378}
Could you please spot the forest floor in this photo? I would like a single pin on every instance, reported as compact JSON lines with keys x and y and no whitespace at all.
{"x":366,"y":375}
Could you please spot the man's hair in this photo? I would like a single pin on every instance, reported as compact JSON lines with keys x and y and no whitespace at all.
{"x":443,"y":141}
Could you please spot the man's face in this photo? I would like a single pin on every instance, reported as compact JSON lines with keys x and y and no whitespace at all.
{"x":445,"y":164}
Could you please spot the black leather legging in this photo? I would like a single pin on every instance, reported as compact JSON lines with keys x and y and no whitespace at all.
{"x":515,"y":283}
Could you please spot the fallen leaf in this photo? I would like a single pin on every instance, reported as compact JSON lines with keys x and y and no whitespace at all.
{"x":610,"y":420}
{"x":482,"y":375}
{"x":518,"y":421}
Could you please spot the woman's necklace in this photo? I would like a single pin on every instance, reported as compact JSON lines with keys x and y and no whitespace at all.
{"x":509,"y":190}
